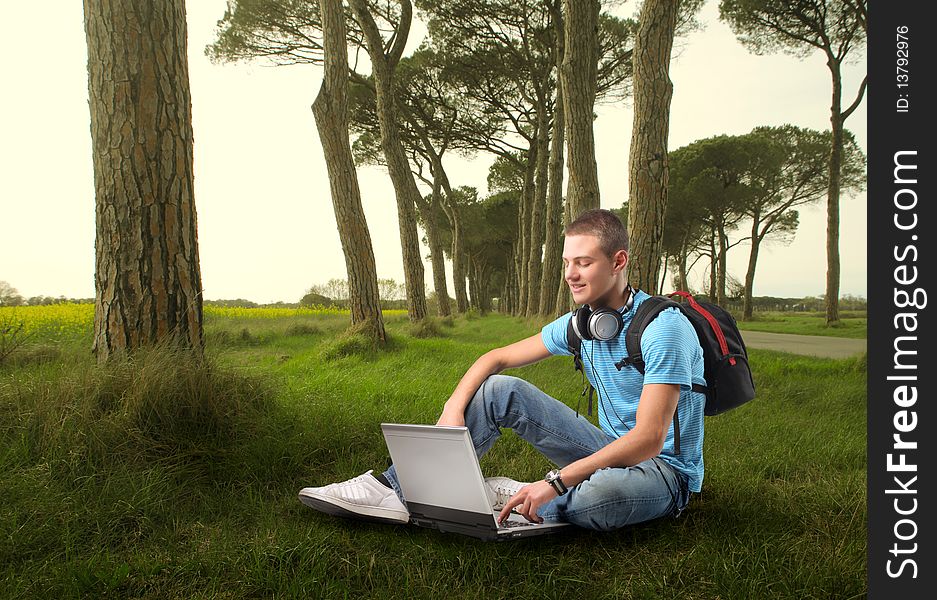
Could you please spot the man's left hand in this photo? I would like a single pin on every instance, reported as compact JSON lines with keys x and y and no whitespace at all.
{"x":528,"y":500}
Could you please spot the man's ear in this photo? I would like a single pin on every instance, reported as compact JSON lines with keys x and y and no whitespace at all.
{"x":620,"y":261}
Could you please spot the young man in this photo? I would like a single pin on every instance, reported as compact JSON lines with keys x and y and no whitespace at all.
{"x":622,"y":473}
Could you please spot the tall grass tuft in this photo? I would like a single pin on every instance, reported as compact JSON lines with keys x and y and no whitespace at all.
{"x":425,"y":328}
{"x":156,"y":403}
{"x":357,"y":340}
{"x":13,"y":335}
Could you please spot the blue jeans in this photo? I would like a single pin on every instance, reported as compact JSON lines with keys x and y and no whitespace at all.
{"x":611,"y":497}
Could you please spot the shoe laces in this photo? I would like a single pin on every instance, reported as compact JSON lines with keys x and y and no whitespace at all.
{"x":345,"y":487}
{"x":503,"y":494}
{"x":361,"y":477}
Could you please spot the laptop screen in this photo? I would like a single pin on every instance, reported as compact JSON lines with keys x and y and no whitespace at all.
{"x":437,"y":466}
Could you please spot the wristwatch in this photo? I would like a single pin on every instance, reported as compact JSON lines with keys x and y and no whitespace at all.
{"x":553,"y":478}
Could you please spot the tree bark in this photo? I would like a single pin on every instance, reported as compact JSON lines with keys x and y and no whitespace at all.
{"x":648,"y":165}
{"x":713,"y":265}
{"x":537,"y":212}
{"x":564,"y":299}
{"x":832,"y":197}
{"x":578,"y":75}
{"x":330,"y":110}
{"x":483,"y":287}
{"x":458,"y":263}
{"x":682,"y":284}
{"x":147,"y":279}
{"x":383,"y":68}
{"x":723,"y":256}
{"x":438,"y":261}
{"x":454,"y":215}
{"x":523,"y":224}
{"x":440,"y":184}
{"x":553,"y":239}
{"x":553,"y":249}
{"x":747,"y":313}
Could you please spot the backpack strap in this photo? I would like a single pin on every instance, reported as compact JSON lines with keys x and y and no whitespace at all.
{"x":646,"y":313}
{"x":574,"y":343}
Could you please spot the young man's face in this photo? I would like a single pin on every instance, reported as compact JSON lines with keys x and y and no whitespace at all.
{"x":592,"y":276}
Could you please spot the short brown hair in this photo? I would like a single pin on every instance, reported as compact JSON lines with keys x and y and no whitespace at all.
{"x":603,"y":224}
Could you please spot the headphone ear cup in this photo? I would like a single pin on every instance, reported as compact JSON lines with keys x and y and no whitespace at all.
{"x":580,"y":320}
{"x":605,"y":324}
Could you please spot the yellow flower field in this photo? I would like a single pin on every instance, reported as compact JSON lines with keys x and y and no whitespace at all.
{"x":52,"y":322}
{"x":68,"y":320}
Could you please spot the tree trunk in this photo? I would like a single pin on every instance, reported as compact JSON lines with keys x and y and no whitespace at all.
{"x":752,"y":261}
{"x":383,"y":68}
{"x":535,"y":256}
{"x":510,"y":277}
{"x":832,"y":198}
{"x":437,"y":259}
{"x":713,"y":274}
{"x":523,"y":224}
{"x":553,"y":250}
{"x":458,"y":263}
{"x":430,"y":212}
{"x":682,"y":283}
{"x":147,"y":280}
{"x":578,"y":75}
{"x":564,"y":300}
{"x":330,"y":110}
{"x":482,"y":278}
{"x":473,"y":285}
{"x":458,"y":252}
{"x":723,"y":255}
{"x":648,"y":166}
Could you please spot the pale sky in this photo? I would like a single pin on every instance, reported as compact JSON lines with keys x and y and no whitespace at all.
{"x":265,"y":222}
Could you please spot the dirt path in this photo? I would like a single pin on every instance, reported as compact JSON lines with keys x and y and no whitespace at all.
{"x":811,"y":345}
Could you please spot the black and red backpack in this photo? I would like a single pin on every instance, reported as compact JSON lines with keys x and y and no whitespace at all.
{"x":725,"y":360}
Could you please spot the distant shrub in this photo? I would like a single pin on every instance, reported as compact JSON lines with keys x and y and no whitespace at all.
{"x":425,"y":328}
{"x":312,"y":300}
{"x":236,"y":303}
{"x":302,"y":329}
{"x":354,"y":341}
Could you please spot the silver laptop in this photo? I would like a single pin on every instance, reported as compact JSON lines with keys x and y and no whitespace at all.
{"x":440,"y":477}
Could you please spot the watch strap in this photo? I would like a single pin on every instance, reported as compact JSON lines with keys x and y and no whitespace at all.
{"x":553,"y":478}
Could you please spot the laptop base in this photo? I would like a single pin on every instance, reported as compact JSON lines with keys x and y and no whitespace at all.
{"x":477,"y":525}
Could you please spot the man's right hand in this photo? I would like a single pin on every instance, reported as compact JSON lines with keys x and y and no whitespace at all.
{"x":451,"y":418}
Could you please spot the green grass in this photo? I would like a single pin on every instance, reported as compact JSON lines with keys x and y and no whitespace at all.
{"x":851,"y":324}
{"x":162,"y":477}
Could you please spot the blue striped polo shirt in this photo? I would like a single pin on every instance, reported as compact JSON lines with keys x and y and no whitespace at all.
{"x":672,"y":354}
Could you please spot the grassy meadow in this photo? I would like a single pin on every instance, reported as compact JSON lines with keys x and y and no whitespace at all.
{"x":166,"y":477}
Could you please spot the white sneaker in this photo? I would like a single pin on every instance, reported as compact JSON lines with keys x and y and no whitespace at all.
{"x":362,"y":497}
{"x":500,"y":490}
